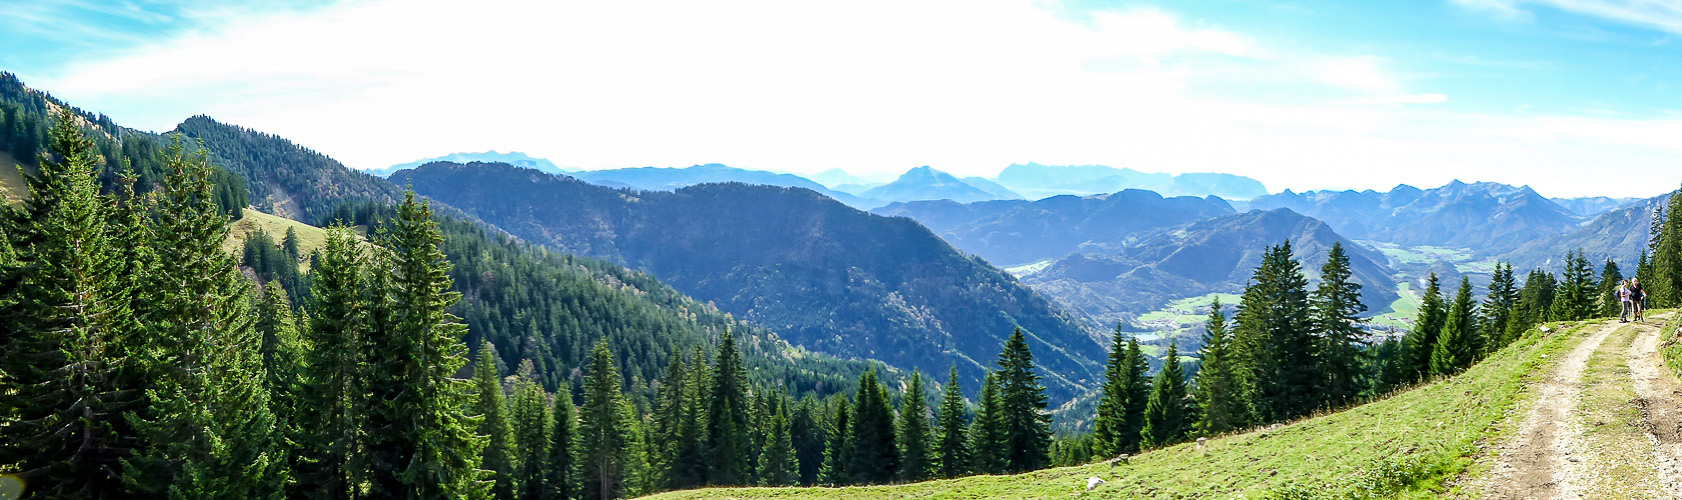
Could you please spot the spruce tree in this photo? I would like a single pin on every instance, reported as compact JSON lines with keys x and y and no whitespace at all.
{"x":988,"y":437}
{"x":728,"y":426}
{"x":1165,"y":413}
{"x":1218,"y":391}
{"x":209,"y":429}
{"x":668,"y":419}
{"x":690,"y":466}
{"x":604,"y":428}
{"x":1497,"y":309}
{"x":1575,"y":298}
{"x":1665,"y":287}
{"x":1027,"y":425}
{"x":330,"y":411}
{"x":1336,"y":321}
{"x":1110,"y":427}
{"x":283,"y":352}
{"x":1275,"y":340}
{"x":873,"y":457}
{"x":1422,"y":340}
{"x":495,"y":424}
{"x":558,"y":473}
{"x":838,"y":453}
{"x":1456,"y":347}
{"x":531,"y":432}
{"x":808,"y":437}
{"x":777,"y":466}
{"x":1138,"y":395}
{"x":954,"y":452}
{"x":914,"y":432}
{"x":64,"y":366}
{"x":1607,"y":304}
{"x":421,"y":442}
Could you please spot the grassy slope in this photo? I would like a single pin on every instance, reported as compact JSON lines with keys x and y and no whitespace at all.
{"x":1421,"y":438}
{"x":1670,"y":343}
{"x":12,"y":188}
{"x":310,"y":237}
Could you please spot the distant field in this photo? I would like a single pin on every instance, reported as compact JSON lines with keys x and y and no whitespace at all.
{"x":310,"y":237}
{"x":1462,"y":258}
{"x":1180,"y":317}
{"x":1402,"y":311}
{"x":1027,"y":269}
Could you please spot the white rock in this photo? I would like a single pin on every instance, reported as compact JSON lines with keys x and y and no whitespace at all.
{"x":1093,"y":482}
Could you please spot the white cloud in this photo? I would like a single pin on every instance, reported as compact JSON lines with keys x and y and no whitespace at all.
{"x":869,"y":86}
{"x":1664,"y":15}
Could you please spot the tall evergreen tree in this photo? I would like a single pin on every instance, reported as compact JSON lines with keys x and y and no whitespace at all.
{"x":1664,"y":288}
{"x":668,"y":419}
{"x":1607,"y":304}
{"x":531,"y":432}
{"x":1422,"y":340}
{"x":954,"y":452}
{"x":1497,"y":309}
{"x":1274,"y":336}
{"x":839,"y":452}
{"x":777,"y":466}
{"x":690,"y":466}
{"x":806,"y":433}
{"x":1534,"y":302}
{"x":494,"y":423}
{"x":604,"y":429}
{"x":63,"y":358}
{"x":1575,"y":298}
{"x":209,"y":429}
{"x":988,"y":437}
{"x":873,"y":458}
{"x":558,"y":473}
{"x":1026,"y":423}
{"x":283,"y":351}
{"x":1113,"y":428}
{"x":1219,"y":390}
{"x":914,"y":432}
{"x":1456,"y":347}
{"x":329,"y":409}
{"x":1336,"y":321}
{"x":728,"y":426}
{"x":421,"y":442}
{"x":1165,"y":413}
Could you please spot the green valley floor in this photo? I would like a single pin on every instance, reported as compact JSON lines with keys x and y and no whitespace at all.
{"x":1583,"y":410}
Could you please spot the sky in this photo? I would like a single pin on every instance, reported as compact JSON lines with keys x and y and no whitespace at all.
{"x":1571,"y":97}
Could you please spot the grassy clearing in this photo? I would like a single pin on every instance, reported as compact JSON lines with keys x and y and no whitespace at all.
{"x":1181,"y":316}
{"x":310,"y":237}
{"x":1463,"y":259}
{"x":1402,"y":311}
{"x":12,"y":188}
{"x":1407,"y":446}
{"x":1614,"y":442}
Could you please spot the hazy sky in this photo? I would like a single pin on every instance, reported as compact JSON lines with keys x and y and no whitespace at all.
{"x":1573,"y":97}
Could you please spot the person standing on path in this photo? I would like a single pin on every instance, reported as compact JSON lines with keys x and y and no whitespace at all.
{"x":1638,"y":298}
{"x":1623,"y":298}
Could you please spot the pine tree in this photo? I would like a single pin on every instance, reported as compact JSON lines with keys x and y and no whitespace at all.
{"x":1456,"y":347}
{"x":988,"y":437}
{"x":558,"y":474}
{"x":1138,"y":396}
{"x":1111,"y":426}
{"x":332,"y":463}
{"x":873,"y":457}
{"x":1575,"y":297}
{"x":1497,"y":309}
{"x":283,"y":352}
{"x":1165,"y":413}
{"x":727,"y":418}
{"x":494,"y":423}
{"x":1274,"y":338}
{"x":954,"y":452}
{"x":669,"y":419}
{"x":808,"y":437}
{"x":1664,"y":288}
{"x":1422,"y":340}
{"x":1026,"y":423}
{"x":209,"y":430}
{"x":914,"y":432}
{"x":1218,"y":390}
{"x":421,"y":442}
{"x":531,"y":432}
{"x":1336,"y":320}
{"x":64,"y":362}
{"x":777,"y":467}
{"x":604,"y":429}
{"x":1607,"y":304}
{"x":838,"y":453}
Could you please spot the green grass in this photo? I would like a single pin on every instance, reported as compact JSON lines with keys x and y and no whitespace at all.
{"x":1407,"y":446}
{"x":12,"y":188}
{"x":1180,"y":316}
{"x":1461,"y":258}
{"x":310,"y":237}
{"x":1402,"y":310}
{"x":1670,"y":342}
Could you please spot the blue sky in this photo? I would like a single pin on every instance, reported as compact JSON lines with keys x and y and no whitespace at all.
{"x":1573,"y":97}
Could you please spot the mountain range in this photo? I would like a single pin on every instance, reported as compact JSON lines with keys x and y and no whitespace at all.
{"x":1036,"y":181}
{"x":1487,"y":217}
{"x":514,"y":158}
{"x":823,"y":275}
{"x":668,"y":179}
{"x":924,"y":183}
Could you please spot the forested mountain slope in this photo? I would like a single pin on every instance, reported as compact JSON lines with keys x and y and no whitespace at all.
{"x":1212,"y":255}
{"x":1620,"y":235}
{"x":1015,"y":232}
{"x":829,"y":277}
{"x":669,"y":179}
{"x":286,"y":179}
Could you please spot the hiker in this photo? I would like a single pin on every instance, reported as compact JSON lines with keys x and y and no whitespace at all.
{"x":1624,"y":298}
{"x":1637,"y":298}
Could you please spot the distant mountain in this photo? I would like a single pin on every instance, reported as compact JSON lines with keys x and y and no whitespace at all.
{"x":286,"y":179}
{"x":669,"y":179}
{"x":992,"y":188}
{"x":835,"y":177}
{"x":1594,"y":205}
{"x":1211,"y":255}
{"x":514,"y":158}
{"x":1487,"y":217}
{"x":924,"y":183}
{"x":824,"y":275}
{"x":1619,"y":235}
{"x":1015,"y":232}
{"x":1037,"y":181}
